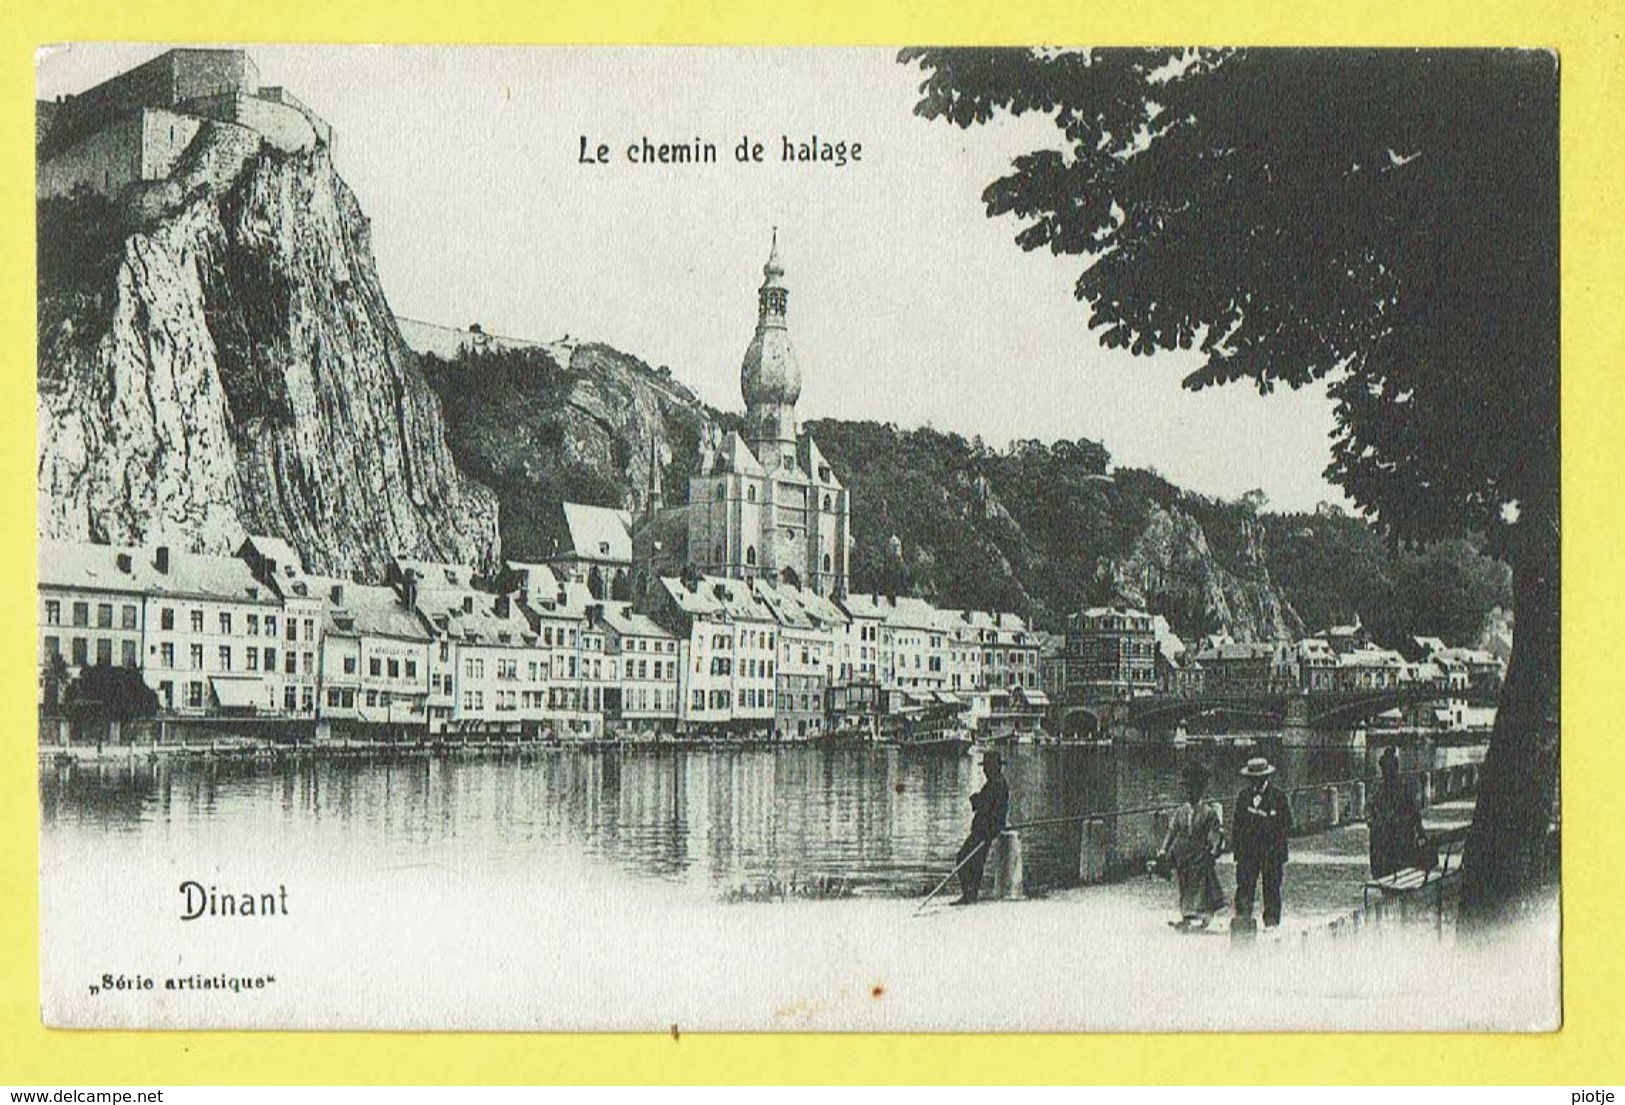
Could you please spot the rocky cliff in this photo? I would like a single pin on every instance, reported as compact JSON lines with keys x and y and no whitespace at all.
{"x":580,"y":422}
{"x":217,"y":357}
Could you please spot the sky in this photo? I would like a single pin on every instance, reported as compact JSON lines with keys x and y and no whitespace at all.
{"x":907,"y":303}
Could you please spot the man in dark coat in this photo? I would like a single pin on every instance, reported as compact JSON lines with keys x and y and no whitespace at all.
{"x":1258,"y":832}
{"x":990,"y":807}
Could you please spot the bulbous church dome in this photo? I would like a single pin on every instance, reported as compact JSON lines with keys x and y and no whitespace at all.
{"x":769,"y":374}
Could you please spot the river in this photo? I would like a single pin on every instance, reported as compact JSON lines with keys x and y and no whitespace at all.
{"x":795,"y":821}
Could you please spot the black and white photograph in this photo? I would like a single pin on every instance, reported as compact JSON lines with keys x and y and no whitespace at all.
{"x":824,"y":539}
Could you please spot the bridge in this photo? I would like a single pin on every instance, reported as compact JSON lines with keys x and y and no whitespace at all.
{"x":1275,"y":709}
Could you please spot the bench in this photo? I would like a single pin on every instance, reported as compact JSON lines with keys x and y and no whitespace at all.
{"x":1408,"y":881}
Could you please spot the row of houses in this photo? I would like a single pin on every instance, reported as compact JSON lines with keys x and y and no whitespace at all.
{"x":254,"y":638}
{"x":1113,"y":652}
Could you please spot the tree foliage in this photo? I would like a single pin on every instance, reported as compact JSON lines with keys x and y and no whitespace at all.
{"x":108,"y":692}
{"x":1383,"y":217}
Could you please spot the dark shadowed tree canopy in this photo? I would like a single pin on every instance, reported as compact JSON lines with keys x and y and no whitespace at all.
{"x":1384,"y":220}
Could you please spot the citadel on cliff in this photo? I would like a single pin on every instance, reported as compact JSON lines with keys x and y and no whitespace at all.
{"x":136,"y":126}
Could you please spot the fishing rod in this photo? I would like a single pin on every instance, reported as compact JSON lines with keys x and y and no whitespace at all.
{"x":938,"y":888}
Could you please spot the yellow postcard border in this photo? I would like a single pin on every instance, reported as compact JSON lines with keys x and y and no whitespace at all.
{"x":1591,"y":1046}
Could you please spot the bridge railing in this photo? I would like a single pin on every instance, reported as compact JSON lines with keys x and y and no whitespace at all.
{"x":1113,"y":843}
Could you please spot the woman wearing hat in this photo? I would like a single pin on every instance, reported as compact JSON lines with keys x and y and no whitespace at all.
{"x":1258,"y":830}
{"x":1397,"y":839}
{"x":1195,"y":839}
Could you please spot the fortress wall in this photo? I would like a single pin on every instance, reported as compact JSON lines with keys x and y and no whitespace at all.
{"x":142,"y":146}
{"x":105,"y":162}
{"x":164,"y":137}
{"x":318,"y":124}
{"x":165,"y":81}
{"x":195,"y":73}
{"x":282,"y":126}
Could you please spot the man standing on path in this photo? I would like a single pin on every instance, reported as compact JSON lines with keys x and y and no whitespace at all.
{"x":1258,"y":830}
{"x":990,"y":806}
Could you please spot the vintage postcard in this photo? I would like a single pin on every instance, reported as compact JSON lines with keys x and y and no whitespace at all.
{"x":677,"y":539}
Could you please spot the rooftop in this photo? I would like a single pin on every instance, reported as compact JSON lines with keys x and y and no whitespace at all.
{"x":598,"y":533}
{"x":716,"y":597}
{"x":363,"y":608}
{"x":135,"y":570}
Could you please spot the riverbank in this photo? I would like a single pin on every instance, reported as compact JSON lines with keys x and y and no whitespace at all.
{"x":552,"y":947}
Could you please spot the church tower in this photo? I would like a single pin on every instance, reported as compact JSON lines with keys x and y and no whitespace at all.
{"x":768,"y":506}
{"x":769,"y":377}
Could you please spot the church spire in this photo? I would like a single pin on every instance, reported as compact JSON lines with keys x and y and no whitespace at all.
{"x":773,"y":298}
{"x":769,"y":378}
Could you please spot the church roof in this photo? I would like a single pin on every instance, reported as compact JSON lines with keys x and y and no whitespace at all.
{"x":736,"y":456}
{"x":598,"y":533}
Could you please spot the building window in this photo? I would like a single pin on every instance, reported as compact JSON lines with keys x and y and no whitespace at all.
{"x":197,"y":657}
{"x":104,"y":651}
{"x":394,"y":668}
{"x":253,"y":625}
{"x":270,"y":625}
{"x":128,"y":617}
{"x":290,"y":699}
{"x":225,"y":623}
{"x":349,"y":665}
{"x":194,"y":695}
{"x":166,"y":618}
{"x":166,"y":655}
{"x":104,"y":615}
{"x":293,"y":630}
{"x":750,"y":554}
{"x":270,"y":659}
{"x":79,"y":651}
{"x":290,"y":662}
{"x":225,"y":657}
{"x":53,"y":612}
{"x":375,"y":666}
{"x":81,"y":614}
{"x":251,"y":659}
{"x":197,"y":621}
{"x":750,"y":493}
{"x":412,"y":669}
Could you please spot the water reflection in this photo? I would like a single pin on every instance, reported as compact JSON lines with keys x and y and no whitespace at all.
{"x":881,"y":820}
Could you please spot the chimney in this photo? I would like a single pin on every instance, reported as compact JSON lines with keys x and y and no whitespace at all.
{"x":124,"y":562}
{"x":504,"y":606}
{"x":161,"y":559}
{"x":338,"y":594}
